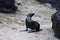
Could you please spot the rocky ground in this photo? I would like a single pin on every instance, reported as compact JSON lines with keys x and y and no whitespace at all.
{"x":12,"y":26}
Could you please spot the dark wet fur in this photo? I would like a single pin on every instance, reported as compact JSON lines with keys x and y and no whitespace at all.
{"x":32,"y":24}
{"x":56,"y":24}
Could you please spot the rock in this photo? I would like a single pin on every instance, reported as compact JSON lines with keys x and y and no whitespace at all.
{"x":7,"y":6}
{"x":54,"y":3}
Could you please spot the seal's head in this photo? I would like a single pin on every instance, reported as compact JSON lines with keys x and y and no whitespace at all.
{"x":30,"y":14}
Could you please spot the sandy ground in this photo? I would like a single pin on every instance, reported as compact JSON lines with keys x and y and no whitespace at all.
{"x":12,"y":26}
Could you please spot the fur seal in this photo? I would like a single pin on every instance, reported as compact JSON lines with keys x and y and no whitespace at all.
{"x":31,"y":23}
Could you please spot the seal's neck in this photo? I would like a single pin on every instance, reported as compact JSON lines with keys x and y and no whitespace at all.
{"x":29,"y":17}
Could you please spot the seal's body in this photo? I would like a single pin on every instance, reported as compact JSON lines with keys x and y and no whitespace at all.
{"x":32,"y":24}
{"x":56,"y":20}
{"x":56,"y":24}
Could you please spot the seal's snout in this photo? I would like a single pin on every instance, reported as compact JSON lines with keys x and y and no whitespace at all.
{"x":32,"y":14}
